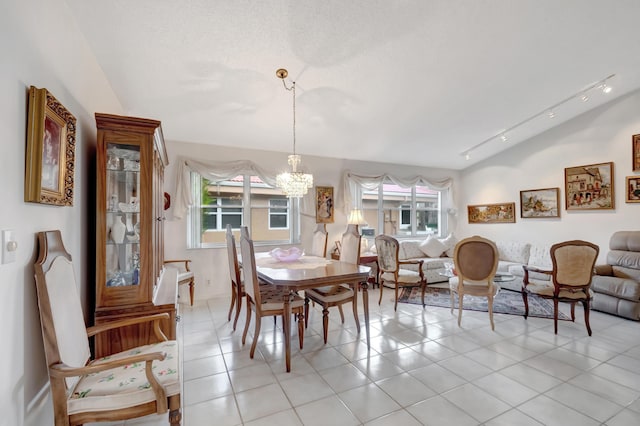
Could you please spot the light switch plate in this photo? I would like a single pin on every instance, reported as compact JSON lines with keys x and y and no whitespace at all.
{"x":9,"y":246}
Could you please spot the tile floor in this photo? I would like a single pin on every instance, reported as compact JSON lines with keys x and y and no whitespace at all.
{"x":421,"y":369}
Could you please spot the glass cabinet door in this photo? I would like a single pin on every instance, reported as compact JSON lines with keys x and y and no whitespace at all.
{"x":123,"y":215}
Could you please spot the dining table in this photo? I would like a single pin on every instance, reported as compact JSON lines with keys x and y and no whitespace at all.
{"x":310,"y":272}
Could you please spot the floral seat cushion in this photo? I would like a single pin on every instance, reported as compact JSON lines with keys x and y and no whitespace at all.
{"x":126,"y":386}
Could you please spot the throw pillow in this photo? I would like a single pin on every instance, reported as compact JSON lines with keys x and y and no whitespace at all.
{"x":450,"y":243}
{"x":432,"y":247}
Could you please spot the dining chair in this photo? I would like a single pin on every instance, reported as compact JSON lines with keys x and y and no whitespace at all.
{"x":264,"y":300}
{"x":390,"y":268}
{"x":319,"y":241}
{"x":573,"y":268}
{"x":475,"y":260}
{"x":237,"y":287}
{"x":137,"y":382}
{"x":339,"y":294}
{"x":185,"y":274}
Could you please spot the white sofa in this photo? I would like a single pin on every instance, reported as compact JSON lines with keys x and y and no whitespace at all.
{"x":512,"y":255}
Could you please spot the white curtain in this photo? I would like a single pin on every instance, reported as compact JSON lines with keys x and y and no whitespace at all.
{"x":354,"y":185}
{"x":217,"y":171}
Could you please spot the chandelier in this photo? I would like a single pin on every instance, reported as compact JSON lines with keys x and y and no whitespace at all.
{"x":295,"y":183}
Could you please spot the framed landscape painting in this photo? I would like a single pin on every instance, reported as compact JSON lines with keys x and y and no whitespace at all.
{"x":589,"y":187}
{"x":492,"y":213}
{"x":535,"y":203}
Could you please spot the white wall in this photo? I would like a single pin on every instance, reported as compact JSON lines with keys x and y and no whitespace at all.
{"x":41,"y":46}
{"x":210,"y":265}
{"x":598,"y":136}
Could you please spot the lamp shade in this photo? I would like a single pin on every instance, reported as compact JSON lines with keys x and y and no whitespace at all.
{"x":356,"y":217}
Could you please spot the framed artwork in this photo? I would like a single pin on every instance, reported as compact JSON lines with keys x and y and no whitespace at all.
{"x":540,"y":203}
{"x":50,"y":155}
{"x":633,"y":189}
{"x":635,"y":144}
{"x":324,"y":204}
{"x":492,"y":213}
{"x":589,"y":187}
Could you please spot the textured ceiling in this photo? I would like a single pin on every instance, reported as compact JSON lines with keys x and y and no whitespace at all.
{"x":414,"y":82}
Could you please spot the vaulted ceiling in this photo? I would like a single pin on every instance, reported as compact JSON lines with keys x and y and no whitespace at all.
{"x":418,"y":82}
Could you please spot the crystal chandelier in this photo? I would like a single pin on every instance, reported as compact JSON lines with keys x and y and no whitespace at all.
{"x":295,"y":183}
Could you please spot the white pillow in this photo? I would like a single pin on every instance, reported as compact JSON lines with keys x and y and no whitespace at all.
{"x":432,"y":247}
{"x":450,"y":243}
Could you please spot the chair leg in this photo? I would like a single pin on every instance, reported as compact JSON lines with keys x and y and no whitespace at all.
{"x":452,"y":300}
{"x":555,"y":316}
{"x":192,"y":288}
{"x":238,"y":306}
{"x":355,"y":313}
{"x":256,"y":333}
{"x":573,"y":312}
{"x":381,"y":288}
{"x":587,"y":309}
{"x":525,"y":299}
{"x":341,"y":313}
{"x":395,"y":305}
{"x":306,"y":312}
{"x":460,"y":299}
{"x":233,"y":302}
{"x":490,"y":306}
{"x":246,"y":324}
{"x":325,"y":322}
{"x":301,"y":327}
{"x":175,"y":416}
{"x":423,"y":286}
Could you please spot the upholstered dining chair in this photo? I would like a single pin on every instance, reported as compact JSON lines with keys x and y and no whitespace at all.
{"x":337,"y":295}
{"x":185,"y":274}
{"x":475,"y":260}
{"x":133,"y":383}
{"x":319,"y":241}
{"x":390,"y":268}
{"x":573,"y":268}
{"x":237,"y":287}
{"x":264,"y":300}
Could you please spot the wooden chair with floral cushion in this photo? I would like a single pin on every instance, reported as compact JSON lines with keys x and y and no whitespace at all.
{"x":390,"y":268}
{"x":133,"y":383}
{"x":573,"y":269}
{"x":264,"y":300}
{"x":338,"y":295}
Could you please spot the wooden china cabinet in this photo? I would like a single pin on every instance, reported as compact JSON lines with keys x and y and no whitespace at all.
{"x":130,"y":166}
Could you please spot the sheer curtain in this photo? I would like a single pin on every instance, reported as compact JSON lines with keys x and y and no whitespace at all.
{"x":217,"y":171}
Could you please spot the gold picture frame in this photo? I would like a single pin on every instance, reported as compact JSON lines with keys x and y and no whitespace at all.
{"x":50,"y":155}
{"x":589,"y":187}
{"x":635,"y":152}
{"x":492,"y":213}
{"x":540,"y":203}
{"x":324,"y":204}
{"x":633,"y":189}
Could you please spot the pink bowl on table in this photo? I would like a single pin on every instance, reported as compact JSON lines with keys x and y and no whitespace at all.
{"x":286,"y":255}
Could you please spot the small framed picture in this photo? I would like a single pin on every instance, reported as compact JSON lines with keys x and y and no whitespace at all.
{"x":633,"y":189}
{"x":635,"y":154}
{"x":324,"y":204}
{"x":589,"y":187}
{"x":50,"y":156}
{"x":492,"y":213}
{"x":535,"y":203}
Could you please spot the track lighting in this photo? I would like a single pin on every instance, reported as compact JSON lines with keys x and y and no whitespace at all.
{"x":582,"y":95}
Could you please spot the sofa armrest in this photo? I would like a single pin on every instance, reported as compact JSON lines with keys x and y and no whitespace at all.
{"x":604,"y":270}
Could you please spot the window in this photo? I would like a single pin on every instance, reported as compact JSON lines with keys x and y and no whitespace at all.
{"x":403,"y":211}
{"x":242,"y":200}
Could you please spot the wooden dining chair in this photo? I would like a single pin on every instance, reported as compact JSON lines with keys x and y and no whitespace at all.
{"x":264,"y":300}
{"x":237,"y":286}
{"x":337,"y":295}
{"x":476,"y":262}
{"x":390,"y":268}
{"x":319,"y":241}
{"x":137,"y":382}
{"x":573,"y":267}
{"x":185,"y":274}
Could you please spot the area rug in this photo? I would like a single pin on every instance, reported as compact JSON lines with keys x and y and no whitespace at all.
{"x":506,"y":302}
